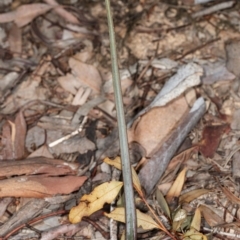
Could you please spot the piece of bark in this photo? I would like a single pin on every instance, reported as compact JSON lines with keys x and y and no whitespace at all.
{"x":186,"y":77}
{"x":152,"y":128}
{"x":153,"y":170}
{"x":30,"y":210}
{"x":37,"y":165}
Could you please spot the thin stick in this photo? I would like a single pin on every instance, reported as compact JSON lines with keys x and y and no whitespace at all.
{"x":130,"y":212}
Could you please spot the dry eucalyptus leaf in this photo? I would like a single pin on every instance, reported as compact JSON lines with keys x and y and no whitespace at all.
{"x":211,"y":137}
{"x":6,"y":142}
{"x":233,"y":56}
{"x":143,"y":220}
{"x":230,"y":196}
{"x":21,"y":132}
{"x":28,"y":90}
{"x":41,"y":152}
{"x":73,"y":144}
{"x":177,"y":186}
{"x":215,"y":72}
{"x":35,"y":138}
{"x":25,"y":13}
{"x":7,"y":81}
{"x":15,"y":39}
{"x":191,"y":195}
{"x":13,"y":138}
{"x":163,"y":203}
{"x":39,"y":186}
{"x":37,"y":165}
{"x":196,"y":222}
{"x":62,"y":12}
{"x":211,"y":217}
{"x":93,"y":202}
{"x":69,"y":83}
{"x":87,"y":75}
{"x":81,"y":96}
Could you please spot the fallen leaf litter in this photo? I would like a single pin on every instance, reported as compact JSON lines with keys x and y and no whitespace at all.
{"x":180,"y":81}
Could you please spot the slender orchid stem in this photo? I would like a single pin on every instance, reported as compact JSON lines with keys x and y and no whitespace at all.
{"x":130,"y":211}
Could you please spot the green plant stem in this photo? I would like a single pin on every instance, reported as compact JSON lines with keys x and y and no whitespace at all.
{"x":130,"y":211}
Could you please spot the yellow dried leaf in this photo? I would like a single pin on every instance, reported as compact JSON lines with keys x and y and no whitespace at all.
{"x":193,"y":234}
{"x":94,"y":201}
{"x":177,"y":186}
{"x":191,"y":195}
{"x":196,"y":222}
{"x":136,"y":182}
{"x":143,"y":220}
{"x":117,"y":164}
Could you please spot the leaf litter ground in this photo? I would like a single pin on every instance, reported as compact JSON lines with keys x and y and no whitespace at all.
{"x":179,"y":68}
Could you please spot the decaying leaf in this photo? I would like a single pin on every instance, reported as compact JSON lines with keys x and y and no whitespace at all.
{"x":232,"y":53}
{"x":177,"y":186}
{"x":143,"y":220}
{"x":13,"y":138}
{"x":43,"y":151}
{"x":230,"y":196}
{"x":6,"y":142}
{"x":15,"y":39}
{"x":212,"y":218}
{"x":91,"y":203}
{"x":117,"y":164}
{"x":62,"y":12}
{"x":83,"y":75}
{"x":37,"y":165}
{"x":191,"y":195}
{"x":28,"y":90}
{"x":210,"y":139}
{"x":25,"y":13}
{"x":39,"y":186}
{"x":21,"y":131}
{"x":180,"y":158}
{"x":215,"y":72}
